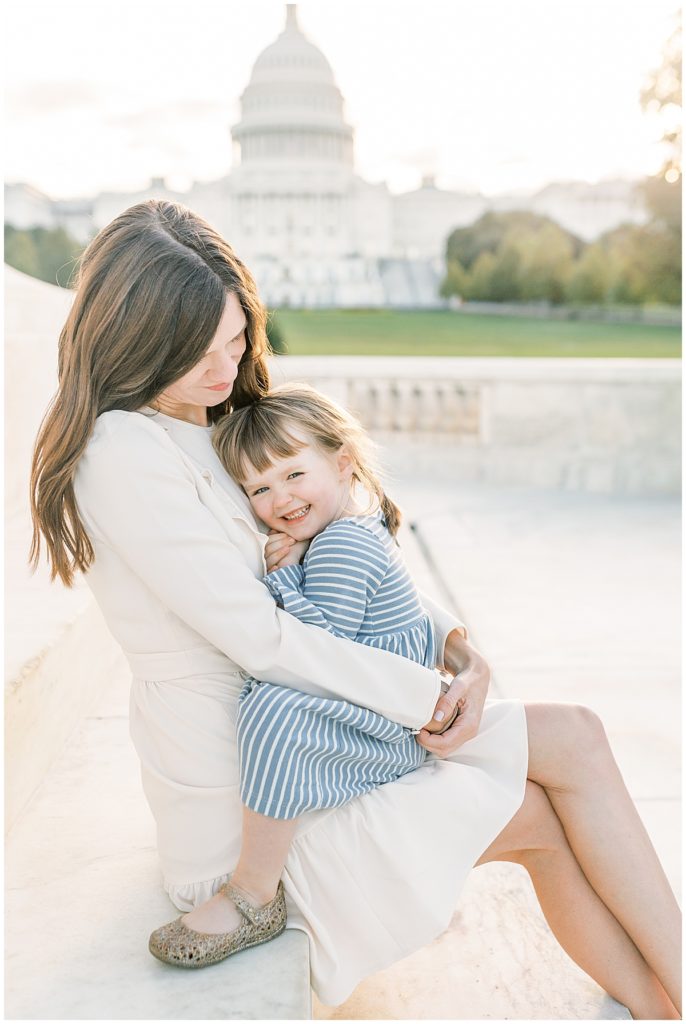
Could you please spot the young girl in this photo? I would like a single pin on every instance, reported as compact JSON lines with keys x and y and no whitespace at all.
{"x":302,"y":461}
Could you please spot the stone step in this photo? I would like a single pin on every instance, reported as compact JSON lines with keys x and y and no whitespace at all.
{"x":84,"y":892}
{"x":59,"y":657}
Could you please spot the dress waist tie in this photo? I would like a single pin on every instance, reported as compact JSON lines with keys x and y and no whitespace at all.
{"x":162,"y":666}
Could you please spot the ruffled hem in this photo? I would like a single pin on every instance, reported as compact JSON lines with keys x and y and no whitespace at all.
{"x":192,"y":894}
{"x":379,"y":878}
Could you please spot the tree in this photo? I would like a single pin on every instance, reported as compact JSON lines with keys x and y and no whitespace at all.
{"x":650,"y":263}
{"x":464,"y":245}
{"x":480,"y":278}
{"x":20,"y":251}
{"x":456,"y":281}
{"x":547,"y":258}
{"x":491,"y":232}
{"x":632,"y":264}
{"x":275,"y":335}
{"x":662,"y":95}
{"x":589,"y":281}
{"x":505,"y":280}
{"x":50,"y":254}
{"x":530,"y":258}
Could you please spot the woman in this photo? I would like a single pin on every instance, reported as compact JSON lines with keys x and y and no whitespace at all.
{"x":165,"y":335}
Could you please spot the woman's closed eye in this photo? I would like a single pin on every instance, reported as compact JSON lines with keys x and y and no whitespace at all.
{"x":237,"y":343}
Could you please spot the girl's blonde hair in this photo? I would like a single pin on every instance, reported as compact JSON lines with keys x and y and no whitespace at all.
{"x":150,"y":292}
{"x":272,"y":428}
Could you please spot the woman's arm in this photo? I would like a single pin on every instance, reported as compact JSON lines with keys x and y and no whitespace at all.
{"x":136,"y":495}
{"x":467,"y":693}
{"x":445,"y":626}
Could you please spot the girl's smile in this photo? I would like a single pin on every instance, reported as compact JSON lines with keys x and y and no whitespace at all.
{"x":300,"y":495}
{"x":298,"y":514}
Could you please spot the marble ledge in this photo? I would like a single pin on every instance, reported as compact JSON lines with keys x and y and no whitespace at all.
{"x":498,"y":960}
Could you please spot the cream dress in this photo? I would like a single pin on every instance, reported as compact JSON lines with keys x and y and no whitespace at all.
{"x":177,"y":574}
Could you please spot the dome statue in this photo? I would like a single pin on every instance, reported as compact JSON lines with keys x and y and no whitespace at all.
{"x":292,"y":52}
{"x":292,"y":109}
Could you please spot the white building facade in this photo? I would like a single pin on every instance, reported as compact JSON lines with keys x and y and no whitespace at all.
{"x":312,"y":230}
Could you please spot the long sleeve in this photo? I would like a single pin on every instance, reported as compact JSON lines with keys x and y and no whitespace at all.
{"x":444,"y":623}
{"x":341,"y":573}
{"x":137,"y":497}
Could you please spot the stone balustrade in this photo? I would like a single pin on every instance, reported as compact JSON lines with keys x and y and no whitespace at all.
{"x":598,"y":425}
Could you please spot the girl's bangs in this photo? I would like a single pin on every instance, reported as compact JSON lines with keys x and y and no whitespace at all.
{"x":262,"y":445}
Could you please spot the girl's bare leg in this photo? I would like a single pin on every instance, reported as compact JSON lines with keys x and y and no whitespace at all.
{"x":265,"y":846}
{"x":579,"y":919}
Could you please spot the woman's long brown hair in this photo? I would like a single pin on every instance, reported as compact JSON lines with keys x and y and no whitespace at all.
{"x":150,"y":292}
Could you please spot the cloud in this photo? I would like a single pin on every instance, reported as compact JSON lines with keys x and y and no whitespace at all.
{"x":420,"y":157}
{"x":171,"y":112}
{"x":512,"y":160}
{"x":175,"y":129}
{"x":51,"y":97}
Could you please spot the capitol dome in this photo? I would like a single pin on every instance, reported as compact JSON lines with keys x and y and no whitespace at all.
{"x":292,"y":55}
{"x":292,"y":109}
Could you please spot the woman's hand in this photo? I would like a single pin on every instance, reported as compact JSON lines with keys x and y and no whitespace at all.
{"x":282,"y":550}
{"x":467,"y":693}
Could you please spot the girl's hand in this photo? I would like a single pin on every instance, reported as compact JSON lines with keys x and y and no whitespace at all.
{"x":282,"y":550}
{"x":467,"y":693}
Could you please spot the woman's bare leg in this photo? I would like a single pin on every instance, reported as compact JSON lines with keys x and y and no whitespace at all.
{"x":578,"y":918}
{"x":264,"y":848}
{"x":570,"y":757}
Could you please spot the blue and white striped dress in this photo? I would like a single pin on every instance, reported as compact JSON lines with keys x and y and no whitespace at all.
{"x":301,"y":753}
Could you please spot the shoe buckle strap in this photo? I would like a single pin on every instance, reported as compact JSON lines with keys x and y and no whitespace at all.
{"x":246,"y":909}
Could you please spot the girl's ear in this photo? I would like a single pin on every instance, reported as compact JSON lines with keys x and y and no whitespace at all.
{"x":345,"y":463}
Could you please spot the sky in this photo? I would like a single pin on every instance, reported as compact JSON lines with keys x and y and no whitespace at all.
{"x":489,"y":96}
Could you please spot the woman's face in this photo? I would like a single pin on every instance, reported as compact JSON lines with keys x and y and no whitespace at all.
{"x":211,"y":380}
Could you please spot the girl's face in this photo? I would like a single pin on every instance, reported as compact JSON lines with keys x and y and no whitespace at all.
{"x":302,"y":494}
{"x":211,"y":380}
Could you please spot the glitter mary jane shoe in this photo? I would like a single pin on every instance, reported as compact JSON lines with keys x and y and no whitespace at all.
{"x":176,"y":944}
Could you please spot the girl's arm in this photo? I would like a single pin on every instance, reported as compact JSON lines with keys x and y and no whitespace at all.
{"x":137,"y":496}
{"x":449,"y":630}
{"x":344,"y":567}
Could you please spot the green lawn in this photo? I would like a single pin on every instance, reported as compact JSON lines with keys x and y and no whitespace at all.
{"x":444,"y":333}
